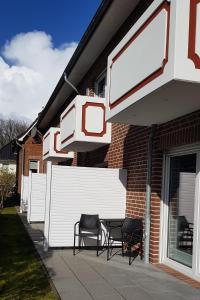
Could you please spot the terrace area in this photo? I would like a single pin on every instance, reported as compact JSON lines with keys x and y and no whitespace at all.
{"x":86,"y":276}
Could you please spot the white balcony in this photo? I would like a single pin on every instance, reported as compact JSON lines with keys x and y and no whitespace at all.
{"x":51,"y":146}
{"x":83,"y":126}
{"x":154,"y":72}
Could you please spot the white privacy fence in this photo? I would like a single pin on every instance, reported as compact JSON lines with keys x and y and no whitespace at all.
{"x":36,"y":199}
{"x":72,"y":191}
{"x":24,"y":193}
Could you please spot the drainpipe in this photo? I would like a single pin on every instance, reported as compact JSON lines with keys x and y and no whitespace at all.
{"x":69,"y":83}
{"x":22,"y":162}
{"x":147,"y":220}
{"x":22,"y":167}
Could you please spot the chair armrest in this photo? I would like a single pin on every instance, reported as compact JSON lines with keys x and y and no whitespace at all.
{"x":75,"y":226}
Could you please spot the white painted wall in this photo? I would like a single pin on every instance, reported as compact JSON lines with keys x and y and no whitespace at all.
{"x":36,"y":199}
{"x":72,"y":191}
{"x":24,"y":193}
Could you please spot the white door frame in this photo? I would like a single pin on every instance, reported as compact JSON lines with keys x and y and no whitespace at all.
{"x":193,"y":272}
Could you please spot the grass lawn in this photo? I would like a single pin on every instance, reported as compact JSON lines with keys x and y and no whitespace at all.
{"x":21,"y":273}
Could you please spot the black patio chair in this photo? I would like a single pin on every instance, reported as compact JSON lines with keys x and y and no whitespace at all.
{"x":131,"y":234}
{"x":88,"y":226}
{"x":185,"y":233}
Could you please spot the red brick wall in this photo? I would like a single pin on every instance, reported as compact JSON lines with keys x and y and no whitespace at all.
{"x":128,"y":150}
{"x":32,"y":150}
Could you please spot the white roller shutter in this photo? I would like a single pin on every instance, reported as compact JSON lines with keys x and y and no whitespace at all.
{"x":72,"y":191}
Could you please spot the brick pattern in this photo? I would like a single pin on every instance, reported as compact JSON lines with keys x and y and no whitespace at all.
{"x":129,"y":148}
{"x":32,"y":150}
{"x":182,"y":277}
{"x":182,"y":131}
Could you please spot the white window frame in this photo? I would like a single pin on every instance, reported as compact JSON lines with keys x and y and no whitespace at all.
{"x":38,"y":165}
{"x":193,"y":272}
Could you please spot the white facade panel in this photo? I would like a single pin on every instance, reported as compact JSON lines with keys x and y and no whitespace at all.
{"x":74,"y":191}
{"x":154,"y":72}
{"x":133,"y":65}
{"x":52,"y":148}
{"x":83,"y":125}
{"x":24,"y":193}
{"x":37,"y":195}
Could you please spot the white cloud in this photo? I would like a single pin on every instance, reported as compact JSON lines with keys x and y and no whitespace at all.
{"x":30,"y":67}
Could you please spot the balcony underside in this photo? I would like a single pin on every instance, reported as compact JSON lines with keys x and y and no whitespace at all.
{"x":80,"y":146}
{"x":169,"y":102}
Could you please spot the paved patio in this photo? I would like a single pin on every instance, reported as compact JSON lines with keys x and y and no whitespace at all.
{"x":87,"y":277}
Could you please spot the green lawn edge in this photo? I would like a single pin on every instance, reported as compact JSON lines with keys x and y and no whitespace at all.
{"x":21,"y":272}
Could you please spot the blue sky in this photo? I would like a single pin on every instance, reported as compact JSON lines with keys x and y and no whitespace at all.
{"x":65,"y":20}
{"x":37,"y":39}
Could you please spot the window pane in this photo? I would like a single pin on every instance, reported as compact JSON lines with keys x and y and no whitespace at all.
{"x":33,"y":166}
{"x":181,"y":208}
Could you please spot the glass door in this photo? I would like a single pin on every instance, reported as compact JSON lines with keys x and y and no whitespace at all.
{"x":181,"y":203}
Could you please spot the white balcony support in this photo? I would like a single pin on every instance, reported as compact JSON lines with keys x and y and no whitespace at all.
{"x":83,"y":125}
{"x":51,"y":146}
{"x":154,"y":72}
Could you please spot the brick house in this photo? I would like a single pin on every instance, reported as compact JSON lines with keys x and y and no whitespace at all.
{"x":29,"y":155}
{"x":155,"y":125}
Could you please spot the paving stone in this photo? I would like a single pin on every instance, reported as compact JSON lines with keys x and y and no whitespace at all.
{"x":132,"y":293}
{"x":167,"y":296}
{"x":154,"y":286}
{"x":75,"y":295}
{"x":186,"y":290}
{"x":109,"y":297}
{"x":100,"y":288}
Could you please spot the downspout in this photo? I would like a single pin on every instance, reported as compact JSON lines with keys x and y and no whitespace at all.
{"x":69,"y":83}
{"x":147,"y":221}
{"x":22,"y":162}
{"x":22,"y":169}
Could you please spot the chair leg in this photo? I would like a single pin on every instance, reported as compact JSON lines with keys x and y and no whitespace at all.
{"x":108,"y":250}
{"x":122,"y":248}
{"x":79,"y":243}
{"x":97,"y":245}
{"x":74,"y":244}
{"x":129,"y":255}
{"x":129,"y":259}
{"x":141,"y":250}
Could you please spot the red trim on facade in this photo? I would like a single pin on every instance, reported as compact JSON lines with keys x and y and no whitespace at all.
{"x":67,"y":138}
{"x":55,"y":144}
{"x":165,"y":5}
{"x":84,"y":130}
{"x":64,"y":116}
{"x":192,"y":34}
{"x":46,"y":136}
